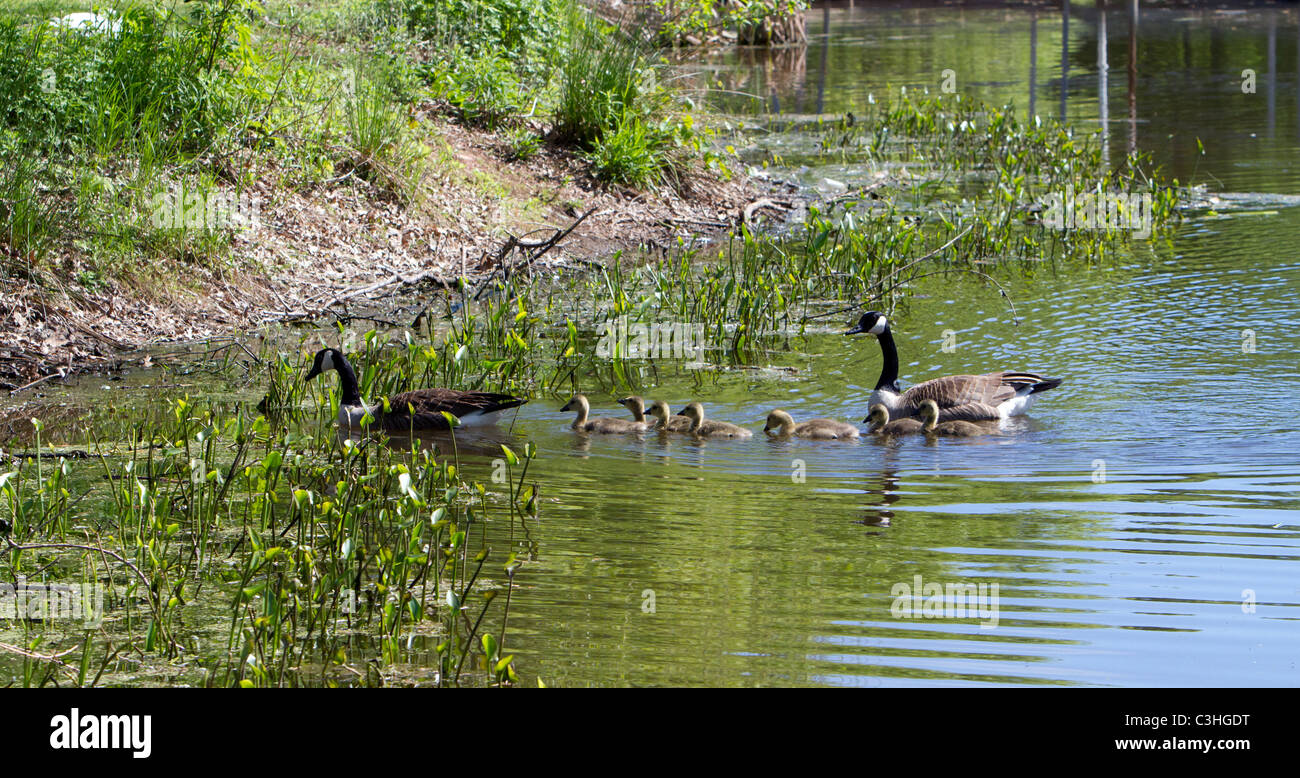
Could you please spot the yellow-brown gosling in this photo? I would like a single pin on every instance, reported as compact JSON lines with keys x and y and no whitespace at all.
{"x":636,"y":404}
{"x":816,"y":429}
{"x":881,"y":425}
{"x":712,"y":429}
{"x":599,"y":424}
{"x":963,"y":429}
{"x":666,"y":421}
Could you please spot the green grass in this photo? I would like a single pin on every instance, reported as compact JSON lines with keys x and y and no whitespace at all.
{"x":249,"y":549}
{"x":204,"y":98}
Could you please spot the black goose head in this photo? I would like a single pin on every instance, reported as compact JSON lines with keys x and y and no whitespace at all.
{"x":326,"y":359}
{"x":871,"y":323}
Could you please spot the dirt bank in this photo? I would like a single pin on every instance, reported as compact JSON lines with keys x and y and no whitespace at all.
{"x":315,"y":253}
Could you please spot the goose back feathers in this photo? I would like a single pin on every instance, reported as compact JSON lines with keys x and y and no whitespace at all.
{"x":419,"y":410}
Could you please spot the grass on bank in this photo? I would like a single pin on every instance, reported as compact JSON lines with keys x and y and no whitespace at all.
{"x":119,"y":150}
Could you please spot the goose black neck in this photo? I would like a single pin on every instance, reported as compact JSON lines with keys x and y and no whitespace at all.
{"x":889,"y":369}
{"x":351,"y":392}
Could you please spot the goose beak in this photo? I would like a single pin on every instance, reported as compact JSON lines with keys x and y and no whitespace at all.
{"x":315,"y":371}
{"x":857,"y":330}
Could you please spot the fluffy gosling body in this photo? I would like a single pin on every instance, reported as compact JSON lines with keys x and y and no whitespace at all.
{"x":960,"y":429}
{"x":881,"y":425}
{"x":814,"y":429}
{"x":704,"y":428}
{"x":665,"y":421}
{"x":600,"y":424}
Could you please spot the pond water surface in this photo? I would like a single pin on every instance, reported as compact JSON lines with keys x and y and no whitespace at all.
{"x":1140,"y":523}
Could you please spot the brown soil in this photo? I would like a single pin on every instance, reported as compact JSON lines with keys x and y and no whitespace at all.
{"x":314,"y":247}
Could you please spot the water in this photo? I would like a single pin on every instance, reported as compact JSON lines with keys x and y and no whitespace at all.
{"x":1140,"y":524}
{"x":1124,"y":521}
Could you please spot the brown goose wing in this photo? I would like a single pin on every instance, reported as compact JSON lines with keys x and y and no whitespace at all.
{"x":955,"y":390}
{"x":429,"y":405}
{"x":991,"y":389}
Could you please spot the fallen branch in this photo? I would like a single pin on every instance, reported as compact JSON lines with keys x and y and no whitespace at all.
{"x":747,"y":214}
{"x":61,"y":372}
{"x":396,"y":278}
{"x":541,"y":248}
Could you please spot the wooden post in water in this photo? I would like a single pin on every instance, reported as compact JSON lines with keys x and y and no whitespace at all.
{"x":1132,"y":76}
{"x":1065,"y":55}
{"x":1033,"y":60}
{"x":1272,"y":71}
{"x":1103,"y":85}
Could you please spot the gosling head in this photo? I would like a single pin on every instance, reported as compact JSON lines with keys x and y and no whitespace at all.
{"x":659,"y":409}
{"x":326,"y":359}
{"x":877,"y":416}
{"x":779,"y":420}
{"x":871,"y":323}
{"x":633,"y":403}
{"x":694,"y":412}
{"x":929,"y":411}
{"x":577,"y":402}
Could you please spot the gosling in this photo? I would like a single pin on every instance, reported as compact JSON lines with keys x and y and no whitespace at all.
{"x":600,"y":424}
{"x":666,"y":421}
{"x":881,"y":425}
{"x":816,"y":429}
{"x":701,"y":427}
{"x":963,"y":429}
{"x":636,"y":404}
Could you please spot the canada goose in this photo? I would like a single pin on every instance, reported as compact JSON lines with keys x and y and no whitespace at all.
{"x":881,"y":425}
{"x":600,"y":424}
{"x":666,"y":421}
{"x":962,"y":429}
{"x":988,"y":397}
{"x":817,"y":429}
{"x":420,"y":410}
{"x":711,"y":429}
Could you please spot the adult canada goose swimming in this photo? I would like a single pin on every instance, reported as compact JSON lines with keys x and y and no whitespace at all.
{"x":600,"y":424}
{"x":987,"y":397}
{"x":962,"y":429}
{"x":419,"y":411}
{"x":881,"y":425}
{"x":817,"y":429}
{"x":665,"y":421}
{"x":712,"y":429}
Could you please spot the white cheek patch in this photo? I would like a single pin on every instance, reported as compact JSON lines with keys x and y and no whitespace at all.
{"x":879,"y":327}
{"x":327,"y":362}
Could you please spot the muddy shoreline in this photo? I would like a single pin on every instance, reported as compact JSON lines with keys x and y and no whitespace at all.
{"x":321,"y":255}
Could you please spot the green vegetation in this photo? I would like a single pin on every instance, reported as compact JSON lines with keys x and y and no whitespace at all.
{"x":313,"y":560}
{"x":118,"y":150}
{"x":755,"y":22}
